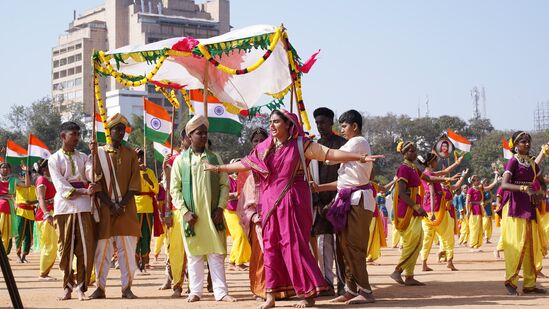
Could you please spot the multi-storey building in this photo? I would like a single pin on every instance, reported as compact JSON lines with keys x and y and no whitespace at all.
{"x":118,"y":23}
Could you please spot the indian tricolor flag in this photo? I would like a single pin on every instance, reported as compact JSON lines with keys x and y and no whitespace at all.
{"x":162,"y":150}
{"x":507,"y":154}
{"x":15,"y":154}
{"x":221,"y":121}
{"x":158,"y":125}
{"x":37,"y":150}
{"x":100,"y":131}
{"x":460,"y":142}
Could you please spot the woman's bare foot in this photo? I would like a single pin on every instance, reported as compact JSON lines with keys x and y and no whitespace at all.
{"x":451,"y":266}
{"x":192,"y":298}
{"x":46,"y":278}
{"x":343,"y":298}
{"x":166,"y":286}
{"x":306,"y":303}
{"x":425,"y":267}
{"x":541,"y":275}
{"x":242,"y":267}
{"x":511,"y":290}
{"x":269,"y":302}
{"x":410,"y":281}
{"x":66,"y":295}
{"x":397,"y":277}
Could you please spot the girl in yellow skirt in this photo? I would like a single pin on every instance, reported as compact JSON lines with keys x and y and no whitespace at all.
{"x":475,"y":210}
{"x":45,"y":192}
{"x":523,"y":238}
{"x":499,"y":214}
{"x":240,"y":250}
{"x":409,"y":213}
{"x":488,"y":212}
{"x":435,"y":203}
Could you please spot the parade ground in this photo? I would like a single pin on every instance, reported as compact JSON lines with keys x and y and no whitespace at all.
{"x":478,"y":283}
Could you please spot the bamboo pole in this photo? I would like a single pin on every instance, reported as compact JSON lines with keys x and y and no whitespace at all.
{"x":205,"y":82}
{"x":173,"y":131}
{"x":294,"y":92}
{"x":144,"y":135}
{"x":292,"y":98}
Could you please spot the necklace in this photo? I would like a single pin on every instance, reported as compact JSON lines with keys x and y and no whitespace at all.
{"x":4,"y":178}
{"x":524,"y":160}
{"x":409,"y":163}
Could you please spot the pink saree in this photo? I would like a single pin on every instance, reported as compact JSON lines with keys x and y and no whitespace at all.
{"x":284,"y":207}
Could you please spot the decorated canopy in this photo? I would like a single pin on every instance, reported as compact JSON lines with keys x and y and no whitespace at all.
{"x":237,"y":67}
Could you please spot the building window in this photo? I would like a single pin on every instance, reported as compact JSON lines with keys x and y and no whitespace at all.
{"x":70,"y":59}
{"x":56,"y":75}
{"x":77,"y":57}
{"x":63,"y":73}
{"x":55,"y":52}
{"x":78,"y":46}
{"x":78,"y":82}
{"x":63,"y":61}
{"x":70,"y":71}
{"x":78,"y":69}
{"x":56,"y":63}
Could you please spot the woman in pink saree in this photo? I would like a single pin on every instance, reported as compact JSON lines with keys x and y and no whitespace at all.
{"x":285,"y":206}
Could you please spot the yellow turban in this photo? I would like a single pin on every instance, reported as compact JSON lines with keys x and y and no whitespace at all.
{"x":196,"y":122}
{"x":116,"y":119}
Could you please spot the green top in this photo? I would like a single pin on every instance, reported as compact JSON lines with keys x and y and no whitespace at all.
{"x":193,"y":189}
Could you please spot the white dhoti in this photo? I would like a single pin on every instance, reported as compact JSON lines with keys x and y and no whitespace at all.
{"x":217,"y":272}
{"x":125,"y":250}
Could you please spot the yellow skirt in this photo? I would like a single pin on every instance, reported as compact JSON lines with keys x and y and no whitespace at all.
{"x":176,"y":251}
{"x":475,"y":231}
{"x":522,"y":241}
{"x":48,"y":247}
{"x":464,"y":230}
{"x":377,"y":239}
{"x":487,"y":227}
{"x":241,"y":250}
{"x":412,"y":239}
{"x":5,"y":226}
{"x":395,"y":237}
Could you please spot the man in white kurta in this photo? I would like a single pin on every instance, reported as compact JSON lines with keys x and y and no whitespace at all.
{"x":71,"y":172}
{"x":201,"y":197}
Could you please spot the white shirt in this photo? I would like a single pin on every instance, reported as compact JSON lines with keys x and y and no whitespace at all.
{"x":354,"y":173}
{"x":62,"y":175}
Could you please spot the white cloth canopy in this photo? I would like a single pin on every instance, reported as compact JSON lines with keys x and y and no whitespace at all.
{"x":242,"y":91}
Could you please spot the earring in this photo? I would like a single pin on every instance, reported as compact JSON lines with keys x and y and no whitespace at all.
{"x":516,"y":149}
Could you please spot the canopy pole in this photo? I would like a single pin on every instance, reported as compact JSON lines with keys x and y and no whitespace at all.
{"x":294,"y":92}
{"x":292,"y":98}
{"x":205,"y":82}
{"x":144,"y":136}
{"x":173,"y":131}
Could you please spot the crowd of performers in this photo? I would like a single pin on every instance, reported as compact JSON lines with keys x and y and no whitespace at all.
{"x":99,"y":211}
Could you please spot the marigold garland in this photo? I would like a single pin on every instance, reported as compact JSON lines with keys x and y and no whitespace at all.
{"x":253,"y":67}
{"x":170,"y":96}
{"x":101,"y":107}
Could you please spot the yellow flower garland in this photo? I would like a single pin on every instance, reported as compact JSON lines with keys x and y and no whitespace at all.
{"x":101,"y":107}
{"x":253,"y":67}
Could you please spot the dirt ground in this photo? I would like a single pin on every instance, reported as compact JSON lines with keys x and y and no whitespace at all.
{"x":478,"y":283}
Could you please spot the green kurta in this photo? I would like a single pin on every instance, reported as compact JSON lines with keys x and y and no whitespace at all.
{"x":207,"y":238}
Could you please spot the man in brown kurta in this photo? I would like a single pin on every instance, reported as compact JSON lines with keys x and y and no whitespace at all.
{"x":117,"y":168}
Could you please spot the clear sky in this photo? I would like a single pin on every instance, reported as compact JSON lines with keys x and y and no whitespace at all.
{"x":377,"y":56}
